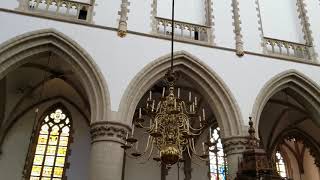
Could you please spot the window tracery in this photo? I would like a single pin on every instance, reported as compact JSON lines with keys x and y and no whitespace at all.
{"x":280,"y":165}
{"x":51,"y":148}
{"x":218,"y":162}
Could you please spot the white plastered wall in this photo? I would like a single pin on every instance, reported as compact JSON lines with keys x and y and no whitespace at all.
{"x":192,"y":11}
{"x":223,"y":28}
{"x":250,"y":25}
{"x":15,"y":147}
{"x":140,"y":21}
{"x":244,"y":76}
{"x":280,"y":20}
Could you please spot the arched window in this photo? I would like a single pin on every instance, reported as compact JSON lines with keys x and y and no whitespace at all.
{"x":218,"y":163}
{"x":280,"y":165}
{"x":49,"y":153}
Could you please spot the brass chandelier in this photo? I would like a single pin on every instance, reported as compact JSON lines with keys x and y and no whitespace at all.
{"x":174,"y":123}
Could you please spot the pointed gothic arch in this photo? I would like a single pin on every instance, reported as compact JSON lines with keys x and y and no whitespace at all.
{"x":218,"y":94}
{"x":14,"y":51}
{"x":303,"y":137}
{"x":302,"y":88}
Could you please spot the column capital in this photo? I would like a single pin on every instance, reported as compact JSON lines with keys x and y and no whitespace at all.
{"x":109,"y":131}
{"x":234,"y":145}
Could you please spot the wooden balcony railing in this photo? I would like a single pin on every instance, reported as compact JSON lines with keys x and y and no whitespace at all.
{"x":183,"y":30}
{"x":60,"y":8}
{"x":286,"y":48}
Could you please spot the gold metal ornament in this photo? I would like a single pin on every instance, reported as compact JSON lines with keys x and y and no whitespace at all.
{"x":170,"y":131}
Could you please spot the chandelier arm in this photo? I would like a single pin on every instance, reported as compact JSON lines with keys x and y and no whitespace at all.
{"x":192,"y":146}
{"x":195,"y":134}
{"x":201,"y":159}
{"x":185,"y":107}
{"x":143,"y":127}
{"x":197,"y":129}
{"x":188,"y":148}
{"x":147,"y":146}
{"x":147,"y":159}
{"x":151,"y":150}
{"x":132,"y":157}
{"x":194,"y":150}
{"x":142,"y":154}
{"x":196,"y":156}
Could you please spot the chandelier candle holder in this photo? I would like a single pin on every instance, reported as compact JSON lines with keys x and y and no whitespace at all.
{"x":174,"y":124}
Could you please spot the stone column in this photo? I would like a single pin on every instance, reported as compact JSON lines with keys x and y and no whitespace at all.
{"x":233,"y":148}
{"x":106,"y":161}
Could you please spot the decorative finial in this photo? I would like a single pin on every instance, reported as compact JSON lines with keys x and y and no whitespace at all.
{"x":239,"y":52}
{"x":252,"y":141}
{"x":251,"y":130}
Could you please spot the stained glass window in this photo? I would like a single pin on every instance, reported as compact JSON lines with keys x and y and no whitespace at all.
{"x":51,"y":149}
{"x":218,"y":163}
{"x":280,"y":164}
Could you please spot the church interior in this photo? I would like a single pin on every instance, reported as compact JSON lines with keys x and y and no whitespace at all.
{"x":159,"y":89}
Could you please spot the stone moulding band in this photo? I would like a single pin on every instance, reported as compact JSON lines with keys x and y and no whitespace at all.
{"x":109,"y":131}
{"x":234,"y":145}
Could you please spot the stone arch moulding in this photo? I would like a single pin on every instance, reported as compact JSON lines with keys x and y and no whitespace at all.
{"x":302,"y":136}
{"x":220,"y":98}
{"x":14,"y":51}
{"x":298,"y":82}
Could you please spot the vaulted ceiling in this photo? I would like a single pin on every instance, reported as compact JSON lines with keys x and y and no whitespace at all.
{"x":285,"y":111}
{"x":42,"y":78}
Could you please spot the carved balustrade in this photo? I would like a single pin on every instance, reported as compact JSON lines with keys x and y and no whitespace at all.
{"x":183,"y":30}
{"x":60,"y":8}
{"x":286,"y":48}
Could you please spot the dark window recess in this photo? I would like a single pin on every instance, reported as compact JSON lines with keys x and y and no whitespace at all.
{"x":83,"y":14}
{"x":196,"y":35}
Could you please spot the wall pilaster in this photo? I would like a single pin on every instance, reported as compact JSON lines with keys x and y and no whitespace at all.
{"x":237,"y":28}
{"x":122,"y":29}
{"x":106,"y":154}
